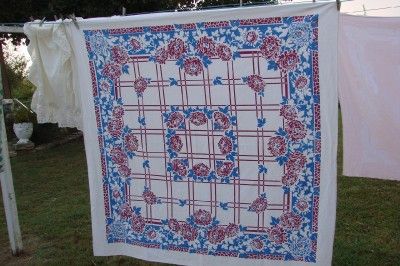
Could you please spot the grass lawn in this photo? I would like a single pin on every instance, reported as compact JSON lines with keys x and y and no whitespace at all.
{"x":54,"y":212}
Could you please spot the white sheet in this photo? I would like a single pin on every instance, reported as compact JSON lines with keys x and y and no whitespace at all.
{"x":369,"y":67}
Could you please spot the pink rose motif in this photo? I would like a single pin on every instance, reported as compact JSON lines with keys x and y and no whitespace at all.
{"x":118,"y":156}
{"x":118,"y":112}
{"x":290,"y":220}
{"x":225,"y":169}
{"x":131,"y":142}
{"x":256,"y":83}
{"x":140,"y":85}
{"x":174,"y":120}
{"x":176,"y":48}
{"x":289,"y":112}
{"x":251,"y":37}
{"x":136,"y":45}
{"x":161,"y":55}
{"x":221,"y":120}
{"x":259,"y":205}
{"x":137,"y":224}
{"x":198,"y":118}
{"x":302,"y":205}
{"x":277,"y":146}
{"x":289,"y":179}
{"x":216,"y":234}
{"x":119,"y":55}
{"x":175,"y":143}
{"x":224,"y":52}
{"x":188,"y":232}
{"x":206,"y":46}
{"x":116,"y":194}
{"x":105,"y":86}
{"x":149,"y":197}
{"x":296,"y":162}
{"x":225,"y":145}
{"x":202,"y":217}
{"x":111,"y":71}
{"x":277,"y":234}
{"x":115,"y":126}
{"x":231,"y":230}
{"x":193,"y":66}
{"x":125,"y":212}
{"x":288,"y":60}
{"x":152,"y":234}
{"x":257,"y":244}
{"x":295,"y":130}
{"x":179,"y":167}
{"x":270,"y":47}
{"x":173,"y":224}
{"x":124,"y":170}
{"x":201,"y":169}
{"x":301,"y":82}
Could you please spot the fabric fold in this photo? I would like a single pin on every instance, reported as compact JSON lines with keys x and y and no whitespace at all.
{"x":56,"y":99}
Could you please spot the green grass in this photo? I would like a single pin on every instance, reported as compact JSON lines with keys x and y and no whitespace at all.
{"x":53,"y":203}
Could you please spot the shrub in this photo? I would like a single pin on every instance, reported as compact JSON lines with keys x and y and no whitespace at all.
{"x":23,"y":115}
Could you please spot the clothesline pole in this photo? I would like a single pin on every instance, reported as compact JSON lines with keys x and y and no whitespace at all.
{"x":7,"y":187}
{"x":6,"y":92}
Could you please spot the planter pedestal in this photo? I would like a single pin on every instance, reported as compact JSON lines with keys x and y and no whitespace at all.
{"x":23,"y":131}
{"x":24,"y":146}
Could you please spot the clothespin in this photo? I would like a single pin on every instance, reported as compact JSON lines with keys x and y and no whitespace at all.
{"x":338,"y":4}
{"x":123,"y":11}
{"x":31,"y":18}
{"x":55,"y":18}
{"x":73,"y":18}
{"x":42,"y":21}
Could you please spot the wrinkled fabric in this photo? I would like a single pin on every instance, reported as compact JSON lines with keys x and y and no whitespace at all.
{"x":369,"y":78}
{"x":55,"y":99}
{"x":211,"y":138}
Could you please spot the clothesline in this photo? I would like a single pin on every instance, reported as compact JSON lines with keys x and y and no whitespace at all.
{"x":373,"y":9}
{"x":21,"y":24}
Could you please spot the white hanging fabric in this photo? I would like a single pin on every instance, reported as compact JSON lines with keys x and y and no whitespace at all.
{"x":369,"y":78}
{"x":56,"y":97}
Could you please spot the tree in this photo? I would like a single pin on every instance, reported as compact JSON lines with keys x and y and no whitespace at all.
{"x":21,"y":10}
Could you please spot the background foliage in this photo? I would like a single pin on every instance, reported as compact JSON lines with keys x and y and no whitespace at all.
{"x":21,"y":10}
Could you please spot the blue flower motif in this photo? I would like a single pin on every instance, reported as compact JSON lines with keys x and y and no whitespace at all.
{"x":125,"y":69}
{"x":223,"y":205}
{"x":217,"y":81}
{"x":182,"y":202}
{"x":142,"y":121}
{"x":146,"y":164}
{"x":262,"y":169}
{"x":261,"y":122}
{"x":173,"y":82}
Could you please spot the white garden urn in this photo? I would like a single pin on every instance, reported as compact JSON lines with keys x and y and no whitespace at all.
{"x":23,"y":131}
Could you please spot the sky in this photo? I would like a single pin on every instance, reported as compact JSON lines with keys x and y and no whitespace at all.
{"x":387,"y":8}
